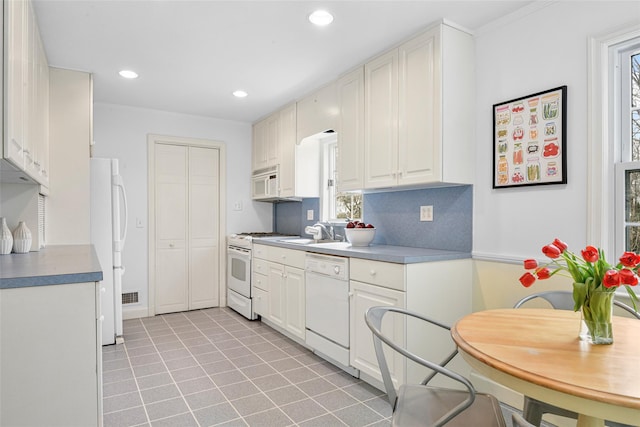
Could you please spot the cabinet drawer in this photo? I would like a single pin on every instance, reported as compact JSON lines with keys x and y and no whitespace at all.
{"x":260,"y":301}
{"x":385,"y":274}
{"x":289,"y":257}
{"x":260,"y":251}
{"x":260,"y":266}
{"x":260,"y":281}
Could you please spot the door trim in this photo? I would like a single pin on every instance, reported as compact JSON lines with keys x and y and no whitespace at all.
{"x":152,"y":141}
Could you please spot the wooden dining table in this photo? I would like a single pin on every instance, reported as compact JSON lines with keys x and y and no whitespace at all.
{"x":537,"y":352}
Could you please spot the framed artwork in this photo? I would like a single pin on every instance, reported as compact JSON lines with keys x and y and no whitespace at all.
{"x":529,"y":140}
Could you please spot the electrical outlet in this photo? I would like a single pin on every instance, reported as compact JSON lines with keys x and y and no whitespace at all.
{"x":237,"y":206}
{"x":310,"y":215}
{"x":426,"y":213}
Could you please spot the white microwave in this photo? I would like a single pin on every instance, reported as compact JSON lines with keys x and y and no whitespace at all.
{"x":264,"y":184}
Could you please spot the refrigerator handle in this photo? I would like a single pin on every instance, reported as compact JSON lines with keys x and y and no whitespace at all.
{"x":120,"y":185}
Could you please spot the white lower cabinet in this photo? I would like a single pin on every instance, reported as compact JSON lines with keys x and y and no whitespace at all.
{"x":51,"y":356}
{"x":363,"y":356}
{"x":260,"y":287}
{"x":440,"y":290}
{"x":282,"y":287}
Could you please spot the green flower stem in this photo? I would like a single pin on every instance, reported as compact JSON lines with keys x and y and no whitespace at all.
{"x":597,"y":310}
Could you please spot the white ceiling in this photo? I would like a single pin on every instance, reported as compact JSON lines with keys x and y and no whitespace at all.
{"x":191,"y":55}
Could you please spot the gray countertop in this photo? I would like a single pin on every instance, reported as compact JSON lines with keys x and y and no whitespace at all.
{"x":386,"y":253}
{"x":53,"y":265}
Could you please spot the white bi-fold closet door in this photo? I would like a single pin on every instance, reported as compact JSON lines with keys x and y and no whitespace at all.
{"x":187,"y":222}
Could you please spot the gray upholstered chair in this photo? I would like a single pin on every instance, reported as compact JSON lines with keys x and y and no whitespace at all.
{"x":533,"y":408}
{"x":424,"y":405}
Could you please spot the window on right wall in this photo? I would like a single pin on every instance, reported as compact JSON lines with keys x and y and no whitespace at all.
{"x":625,"y":81}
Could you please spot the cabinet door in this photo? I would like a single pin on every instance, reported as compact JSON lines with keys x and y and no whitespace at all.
{"x":295,"y":307}
{"x":276,"y":294}
{"x":419,"y":127}
{"x":363,"y":356}
{"x":15,"y":44}
{"x":317,"y":112}
{"x":259,"y":144}
{"x":171,"y":230}
{"x":261,"y":300}
{"x":272,"y":148}
{"x":381,"y":121}
{"x":350,"y":160}
{"x":288,"y":151}
{"x":204,"y":196}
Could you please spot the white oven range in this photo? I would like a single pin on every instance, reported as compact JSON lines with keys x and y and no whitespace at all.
{"x":239,"y":290}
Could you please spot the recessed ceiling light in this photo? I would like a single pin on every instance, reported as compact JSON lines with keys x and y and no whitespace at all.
{"x":240,"y":94}
{"x":321,"y":18}
{"x":128,"y":74}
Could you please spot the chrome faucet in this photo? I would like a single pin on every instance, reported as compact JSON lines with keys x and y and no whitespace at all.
{"x":328,"y":231}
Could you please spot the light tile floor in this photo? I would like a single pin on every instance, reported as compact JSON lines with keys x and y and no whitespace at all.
{"x":214,"y":367}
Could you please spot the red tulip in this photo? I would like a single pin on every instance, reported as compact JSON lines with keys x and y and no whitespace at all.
{"x":527,"y":279}
{"x":611,"y":279}
{"x":551,"y":251}
{"x":560,"y":245}
{"x":590,"y":254}
{"x":629,"y":259}
{"x":543,"y":273}
{"x":530,"y":264}
{"x":628,"y":277}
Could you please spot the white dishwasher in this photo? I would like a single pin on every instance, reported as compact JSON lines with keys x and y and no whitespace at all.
{"x":327,"y":306}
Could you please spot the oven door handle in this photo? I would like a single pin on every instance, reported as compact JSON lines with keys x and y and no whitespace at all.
{"x":245,"y":253}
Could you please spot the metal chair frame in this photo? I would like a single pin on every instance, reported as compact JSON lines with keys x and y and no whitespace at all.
{"x":373,"y":319}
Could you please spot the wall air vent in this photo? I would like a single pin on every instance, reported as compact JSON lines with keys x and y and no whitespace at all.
{"x":129,"y":298}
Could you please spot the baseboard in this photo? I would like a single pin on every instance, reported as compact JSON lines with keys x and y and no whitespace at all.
{"x":134,"y":312}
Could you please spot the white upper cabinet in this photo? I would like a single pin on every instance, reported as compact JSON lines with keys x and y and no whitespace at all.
{"x":381,"y":121}
{"x":26,"y":93}
{"x":265,"y":142}
{"x":418,"y":121}
{"x":287,"y":141}
{"x":317,"y":112}
{"x":350,"y":129}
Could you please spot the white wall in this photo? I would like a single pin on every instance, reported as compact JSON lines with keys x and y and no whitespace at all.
{"x":68,"y":204}
{"x":538,"y":49}
{"x":121,"y":132}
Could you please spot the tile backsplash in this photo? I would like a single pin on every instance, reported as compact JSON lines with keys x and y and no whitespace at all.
{"x":396,"y":216}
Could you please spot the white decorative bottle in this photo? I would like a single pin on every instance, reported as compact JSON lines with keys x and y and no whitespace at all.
{"x":6,"y":238}
{"x":21,"y":238}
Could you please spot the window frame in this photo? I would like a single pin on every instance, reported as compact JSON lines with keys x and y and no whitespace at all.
{"x":604,"y":106}
{"x":328,"y":194}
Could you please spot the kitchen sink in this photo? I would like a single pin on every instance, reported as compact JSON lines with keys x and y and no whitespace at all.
{"x":302,"y":241}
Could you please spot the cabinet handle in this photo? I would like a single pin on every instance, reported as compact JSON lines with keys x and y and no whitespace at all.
{"x":350,"y":294}
{"x":372,"y":272}
{"x":171,"y":245}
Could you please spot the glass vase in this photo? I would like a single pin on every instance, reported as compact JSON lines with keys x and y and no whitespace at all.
{"x":596,"y":318}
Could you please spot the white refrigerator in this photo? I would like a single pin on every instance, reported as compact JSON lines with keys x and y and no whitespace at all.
{"x":108,"y":234}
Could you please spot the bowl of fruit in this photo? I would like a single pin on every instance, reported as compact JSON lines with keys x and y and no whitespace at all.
{"x":359,"y":234}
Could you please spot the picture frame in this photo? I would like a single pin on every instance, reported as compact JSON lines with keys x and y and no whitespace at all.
{"x":529,"y":140}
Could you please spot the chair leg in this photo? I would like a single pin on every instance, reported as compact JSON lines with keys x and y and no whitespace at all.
{"x":532,"y":411}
